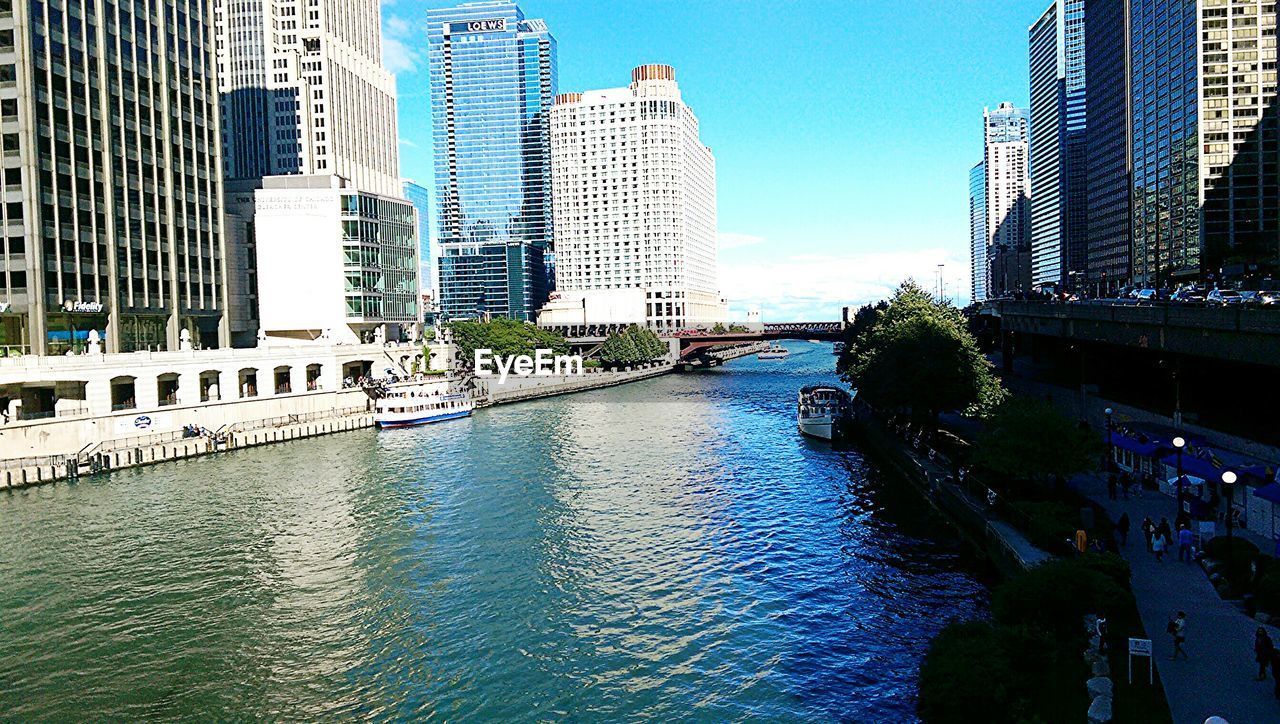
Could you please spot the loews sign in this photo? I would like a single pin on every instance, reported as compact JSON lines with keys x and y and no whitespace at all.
{"x":496,"y":25}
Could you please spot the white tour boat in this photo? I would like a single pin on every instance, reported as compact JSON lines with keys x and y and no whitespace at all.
{"x":411,"y":403}
{"x":775,"y":351}
{"x":822,"y":410}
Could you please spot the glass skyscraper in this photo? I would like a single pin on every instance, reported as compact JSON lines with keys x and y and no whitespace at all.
{"x":978,"y":231}
{"x":1058,"y":153}
{"x":1107,"y":138}
{"x":493,"y":81}
{"x":1165,"y":191}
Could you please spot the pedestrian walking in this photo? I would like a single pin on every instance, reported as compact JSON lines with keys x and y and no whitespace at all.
{"x":1158,"y":546}
{"x":1263,"y":648}
{"x":1275,"y":669}
{"x":1178,"y":630}
{"x":1112,"y":484}
{"x":1126,"y":482}
{"x":1185,"y":540}
{"x":1122,"y":527}
{"x":1148,"y":531}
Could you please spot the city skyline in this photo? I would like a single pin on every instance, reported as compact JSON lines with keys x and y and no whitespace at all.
{"x":850,"y":226}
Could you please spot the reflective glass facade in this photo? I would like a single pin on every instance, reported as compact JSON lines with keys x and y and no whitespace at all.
{"x":493,"y":81}
{"x":1165,"y":141}
{"x":1048,"y":96}
{"x":379,"y":258}
{"x":978,"y":232}
{"x":1058,"y":151}
{"x":1107,"y":139}
{"x":421,"y":200}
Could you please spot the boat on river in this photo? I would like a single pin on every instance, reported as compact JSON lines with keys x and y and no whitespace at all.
{"x":823,"y":411}
{"x":416,"y":402}
{"x":775,"y":351}
{"x":837,"y":348}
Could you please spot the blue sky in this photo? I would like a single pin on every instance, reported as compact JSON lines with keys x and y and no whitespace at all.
{"x":843,"y":131}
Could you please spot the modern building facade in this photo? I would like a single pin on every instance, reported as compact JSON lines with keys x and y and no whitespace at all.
{"x":1108,"y":207}
{"x":421,"y":200}
{"x":1183,"y":141}
{"x":1006,"y":192}
{"x":1058,"y":158}
{"x":335,"y":263}
{"x":493,"y":81}
{"x":634,"y":197}
{"x":112,"y":178}
{"x":978,"y":263}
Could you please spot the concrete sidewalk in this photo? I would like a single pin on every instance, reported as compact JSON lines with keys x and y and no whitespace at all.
{"x":1219,"y":677}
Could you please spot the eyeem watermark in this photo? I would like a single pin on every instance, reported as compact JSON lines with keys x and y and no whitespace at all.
{"x":541,"y":364}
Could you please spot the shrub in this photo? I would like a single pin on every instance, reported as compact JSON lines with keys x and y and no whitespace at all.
{"x":1108,"y":564}
{"x":1229,"y":548}
{"x":966,"y":671}
{"x":1047,"y":524}
{"x":1055,"y":595}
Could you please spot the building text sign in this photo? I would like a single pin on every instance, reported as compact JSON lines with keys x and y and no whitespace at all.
{"x":494,"y":25}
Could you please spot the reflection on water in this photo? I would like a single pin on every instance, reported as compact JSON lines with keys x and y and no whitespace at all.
{"x":667,"y":549}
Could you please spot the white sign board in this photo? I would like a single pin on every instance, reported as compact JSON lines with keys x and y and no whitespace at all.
{"x":143,"y":424}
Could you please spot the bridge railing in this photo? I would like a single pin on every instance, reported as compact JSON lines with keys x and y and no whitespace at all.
{"x":1231,"y":319}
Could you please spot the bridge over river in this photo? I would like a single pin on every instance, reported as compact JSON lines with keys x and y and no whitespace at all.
{"x":695,"y":344}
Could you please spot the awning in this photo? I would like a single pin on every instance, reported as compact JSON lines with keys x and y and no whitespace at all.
{"x":1141,"y":448}
{"x":1269,"y":492}
{"x":1193,"y":465}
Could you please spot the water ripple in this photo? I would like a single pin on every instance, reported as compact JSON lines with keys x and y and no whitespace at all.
{"x":670,"y":549}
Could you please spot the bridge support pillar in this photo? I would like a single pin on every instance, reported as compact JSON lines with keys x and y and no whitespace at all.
{"x":1006,"y":351}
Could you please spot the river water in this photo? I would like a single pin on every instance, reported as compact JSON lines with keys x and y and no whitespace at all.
{"x":669,"y":549}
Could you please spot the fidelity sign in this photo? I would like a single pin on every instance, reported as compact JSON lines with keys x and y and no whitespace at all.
{"x":496,"y":25}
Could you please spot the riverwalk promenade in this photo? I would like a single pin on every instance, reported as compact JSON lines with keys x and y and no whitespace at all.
{"x":1218,"y":677}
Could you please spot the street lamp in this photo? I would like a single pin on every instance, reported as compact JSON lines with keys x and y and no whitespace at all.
{"x":1178,"y":444}
{"x":1229,"y":484}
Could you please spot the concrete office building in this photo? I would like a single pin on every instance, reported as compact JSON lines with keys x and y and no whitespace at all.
{"x":303,"y":92}
{"x":1057,"y":144}
{"x":493,"y":79}
{"x":1006,"y":189}
{"x":634,"y":195}
{"x":112,"y":179}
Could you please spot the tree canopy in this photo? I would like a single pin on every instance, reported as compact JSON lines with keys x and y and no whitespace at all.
{"x":1028,"y":438}
{"x":913,"y":354}
{"x":633,"y":345}
{"x":506,"y":337}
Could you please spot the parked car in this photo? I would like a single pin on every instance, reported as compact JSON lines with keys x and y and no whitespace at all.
{"x":1189,"y":295}
{"x":1144,"y":296}
{"x":1250,"y":299}
{"x":1224,"y":297}
{"x":1269,"y":298}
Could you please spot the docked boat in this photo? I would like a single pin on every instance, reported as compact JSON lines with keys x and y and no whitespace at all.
{"x":775,"y":351}
{"x":823,"y":411}
{"x":837,"y":348}
{"x":412,"y":403}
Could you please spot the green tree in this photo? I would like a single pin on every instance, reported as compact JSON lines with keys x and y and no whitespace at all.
{"x":917,"y":356}
{"x":506,"y":337}
{"x":854,"y":336}
{"x":1030,"y":440}
{"x":719,"y":328}
{"x":619,"y":349}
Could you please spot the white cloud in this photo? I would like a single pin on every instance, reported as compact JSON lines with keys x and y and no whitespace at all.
{"x":732,"y":240}
{"x":407,"y":142}
{"x":813,"y":287}
{"x":397,"y":55}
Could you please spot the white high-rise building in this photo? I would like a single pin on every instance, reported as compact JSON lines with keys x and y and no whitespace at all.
{"x":634,"y":203}
{"x":1006,"y":188}
{"x":303,"y":91}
